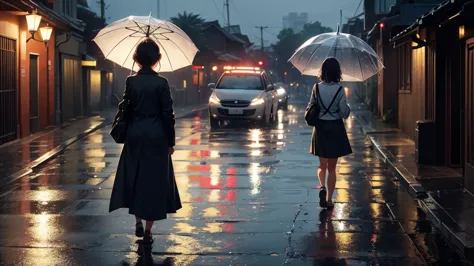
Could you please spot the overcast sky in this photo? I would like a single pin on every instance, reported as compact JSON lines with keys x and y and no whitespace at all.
{"x":246,"y":13}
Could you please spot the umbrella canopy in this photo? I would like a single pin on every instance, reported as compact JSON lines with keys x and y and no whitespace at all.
{"x":119,"y":40}
{"x":358,"y":60}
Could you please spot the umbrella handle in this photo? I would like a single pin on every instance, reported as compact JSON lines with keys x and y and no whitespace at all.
{"x":338,"y":28}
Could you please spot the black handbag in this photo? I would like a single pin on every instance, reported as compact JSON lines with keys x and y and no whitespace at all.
{"x":120,"y":124}
{"x":311,"y":114}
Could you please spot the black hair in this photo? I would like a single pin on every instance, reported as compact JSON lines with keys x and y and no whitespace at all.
{"x":331,"y":70}
{"x":147,"y":53}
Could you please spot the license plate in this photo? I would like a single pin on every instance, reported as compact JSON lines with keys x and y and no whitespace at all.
{"x":236,"y":111}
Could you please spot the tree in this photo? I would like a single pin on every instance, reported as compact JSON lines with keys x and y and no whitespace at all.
{"x":191,"y":24}
{"x":289,"y":41}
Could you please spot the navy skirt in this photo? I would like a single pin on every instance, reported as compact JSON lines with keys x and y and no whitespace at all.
{"x":329,"y":139}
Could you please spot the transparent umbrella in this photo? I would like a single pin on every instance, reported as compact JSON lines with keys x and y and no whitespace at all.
{"x":119,"y":40}
{"x":358,"y":60}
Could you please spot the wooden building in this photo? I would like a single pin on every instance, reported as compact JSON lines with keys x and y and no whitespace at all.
{"x":435,"y":64}
{"x":27,"y":74}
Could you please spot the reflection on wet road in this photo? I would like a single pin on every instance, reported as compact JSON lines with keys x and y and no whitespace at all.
{"x":249,"y":198}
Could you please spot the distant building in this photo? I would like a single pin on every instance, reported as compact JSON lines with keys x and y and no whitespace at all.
{"x":295,"y":21}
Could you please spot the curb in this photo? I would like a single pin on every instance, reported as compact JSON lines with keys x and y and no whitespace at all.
{"x":50,"y":155}
{"x":415,"y":189}
{"x":435,"y":213}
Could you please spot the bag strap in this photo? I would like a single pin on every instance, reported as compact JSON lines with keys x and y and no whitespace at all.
{"x":332,"y":102}
{"x":315,"y":92}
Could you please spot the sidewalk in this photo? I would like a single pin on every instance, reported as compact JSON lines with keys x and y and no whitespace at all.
{"x":21,"y":157}
{"x":439,"y":189}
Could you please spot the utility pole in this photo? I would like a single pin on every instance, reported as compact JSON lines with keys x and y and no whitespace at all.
{"x":102,"y":9}
{"x":340,"y":20}
{"x":228,"y":15}
{"x":261,"y":38}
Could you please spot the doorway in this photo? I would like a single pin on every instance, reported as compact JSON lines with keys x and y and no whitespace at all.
{"x":34,"y":93}
{"x":469,"y":116}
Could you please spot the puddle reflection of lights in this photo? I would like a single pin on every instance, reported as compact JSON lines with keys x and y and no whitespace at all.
{"x":215,"y":171}
{"x":280,"y":126}
{"x":255,"y":179}
{"x":44,"y":196}
{"x":214,"y":195}
{"x":214,"y":154}
{"x":42,"y":227}
{"x":349,"y":123}
{"x":256,"y":153}
{"x":214,"y":180}
{"x":280,"y":136}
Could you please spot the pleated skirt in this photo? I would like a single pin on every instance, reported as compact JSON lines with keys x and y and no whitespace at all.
{"x":329,"y":139}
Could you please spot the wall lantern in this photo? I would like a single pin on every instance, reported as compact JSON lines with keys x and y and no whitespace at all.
{"x":33,"y":20}
{"x":461,"y":32}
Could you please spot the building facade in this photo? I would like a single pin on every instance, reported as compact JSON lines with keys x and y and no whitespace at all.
{"x":436,"y":58}
{"x":27,"y":72}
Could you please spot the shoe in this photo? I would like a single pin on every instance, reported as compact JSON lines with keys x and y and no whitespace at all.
{"x":139,"y":231}
{"x":330,"y":205}
{"x":322,"y":197}
{"x":148,"y":238}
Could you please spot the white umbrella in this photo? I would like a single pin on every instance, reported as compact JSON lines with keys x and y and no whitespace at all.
{"x":358,"y":60}
{"x":119,"y":40}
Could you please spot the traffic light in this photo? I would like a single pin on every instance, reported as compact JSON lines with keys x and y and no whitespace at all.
{"x":260,"y":63}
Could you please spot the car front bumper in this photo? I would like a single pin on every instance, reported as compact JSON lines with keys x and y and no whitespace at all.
{"x":237,"y":113}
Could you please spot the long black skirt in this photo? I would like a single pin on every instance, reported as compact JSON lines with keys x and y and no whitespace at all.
{"x":329,"y":139}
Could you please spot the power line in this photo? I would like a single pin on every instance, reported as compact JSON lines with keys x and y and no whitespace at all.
{"x":358,"y":8}
{"x":220,"y":12}
{"x":271,"y":33}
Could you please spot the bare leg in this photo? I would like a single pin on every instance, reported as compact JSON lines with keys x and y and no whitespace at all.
{"x":149,"y":225}
{"x":323,"y":166}
{"x":147,"y":238}
{"x":332,"y":163}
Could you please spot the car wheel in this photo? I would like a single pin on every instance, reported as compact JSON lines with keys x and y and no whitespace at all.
{"x":214,"y":122}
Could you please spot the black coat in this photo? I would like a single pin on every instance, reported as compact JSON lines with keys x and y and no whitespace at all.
{"x":145,"y":182}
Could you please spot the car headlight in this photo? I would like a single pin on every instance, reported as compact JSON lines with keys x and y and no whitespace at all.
{"x":281,"y":91}
{"x":257,"y":101}
{"x":214,"y":100}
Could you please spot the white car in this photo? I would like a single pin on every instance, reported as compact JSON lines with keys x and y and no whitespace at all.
{"x":243,"y":93}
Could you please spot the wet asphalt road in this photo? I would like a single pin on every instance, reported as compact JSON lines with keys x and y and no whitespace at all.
{"x":249,"y":198}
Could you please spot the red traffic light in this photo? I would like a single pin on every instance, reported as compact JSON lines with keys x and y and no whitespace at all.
{"x":260,"y":63}
{"x":286,"y":73}
{"x":382,"y":25}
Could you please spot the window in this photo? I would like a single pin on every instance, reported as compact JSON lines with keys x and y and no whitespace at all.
{"x":404,"y":54}
{"x":383,"y":6}
{"x":240,"y":82}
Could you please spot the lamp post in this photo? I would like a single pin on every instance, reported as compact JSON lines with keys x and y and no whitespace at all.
{"x":33,"y":21}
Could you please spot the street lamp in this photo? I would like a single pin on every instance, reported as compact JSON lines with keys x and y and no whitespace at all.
{"x":33,"y":20}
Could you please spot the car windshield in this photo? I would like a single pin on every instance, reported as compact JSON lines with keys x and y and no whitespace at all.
{"x":240,"y":82}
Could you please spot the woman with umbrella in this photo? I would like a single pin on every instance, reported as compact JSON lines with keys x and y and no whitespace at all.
{"x":334,"y":57}
{"x":329,"y":140}
{"x":145,"y":181}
